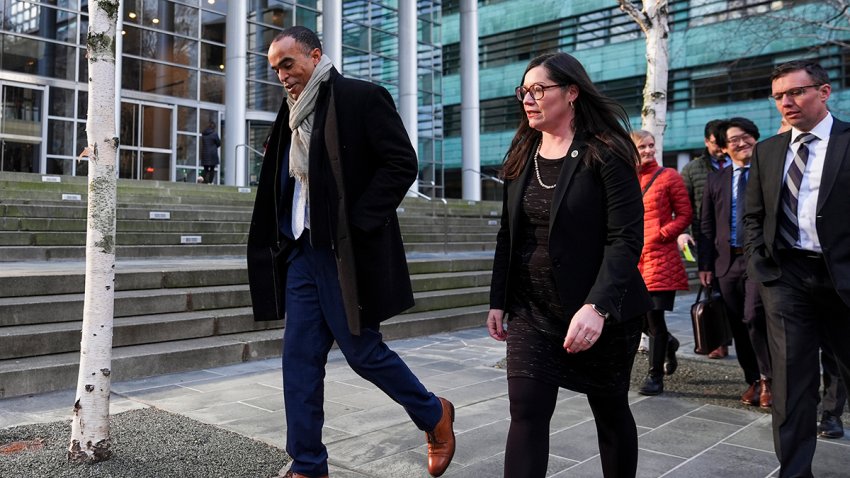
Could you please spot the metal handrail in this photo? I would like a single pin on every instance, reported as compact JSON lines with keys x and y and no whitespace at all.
{"x":445,"y":215}
{"x":247,"y":164}
{"x":485,"y":176}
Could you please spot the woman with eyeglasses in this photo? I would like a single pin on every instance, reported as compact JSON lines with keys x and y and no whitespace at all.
{"x":667,"y":213}
{"x":565,"y":274}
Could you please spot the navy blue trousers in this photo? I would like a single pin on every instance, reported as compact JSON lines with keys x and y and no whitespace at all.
{"x":315,"y":317}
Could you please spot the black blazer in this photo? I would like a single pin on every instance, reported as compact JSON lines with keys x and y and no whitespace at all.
{"x":714,"y":247}
{"x":595,"y":236}
{"x":378,"y":166}
{"x":833,"y":208}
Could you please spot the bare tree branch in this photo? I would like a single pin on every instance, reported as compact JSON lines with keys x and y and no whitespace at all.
{"x":637,"y":15}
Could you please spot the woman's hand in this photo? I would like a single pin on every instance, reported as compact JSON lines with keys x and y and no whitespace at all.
{"x":495,"y":324}
{"x":584,"y":331}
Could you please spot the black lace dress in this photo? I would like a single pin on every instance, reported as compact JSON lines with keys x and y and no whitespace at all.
{"x":538,"y":322}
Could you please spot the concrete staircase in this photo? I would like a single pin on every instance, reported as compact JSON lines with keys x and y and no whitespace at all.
{"x":183,"y":304}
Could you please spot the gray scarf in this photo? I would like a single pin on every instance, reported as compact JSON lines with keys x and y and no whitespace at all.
{"x":301,"y":120}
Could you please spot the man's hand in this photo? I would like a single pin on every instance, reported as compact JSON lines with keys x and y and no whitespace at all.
{"x":705,"y":278}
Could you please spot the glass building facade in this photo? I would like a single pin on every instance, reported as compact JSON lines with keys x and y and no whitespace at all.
{"x":721,"y":55}
{"x":172,"y":79}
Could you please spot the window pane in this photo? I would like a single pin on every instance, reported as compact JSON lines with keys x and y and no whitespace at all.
{"x":162,"y":15}
{"x":306,"y":18}
{"x":264,"y":97}
{"x":187,"y":150}
{"x":160,"y":46}
{"x":128,"y":166}
{"x":60,"y":138}
{"x":61,"y":102}
{"x":212,"y":87}
{"x":187,"y":119}
{"x":59,"y":166}
{"x":213,"y":27}
{"x":27,"y":55}
{"x":156,"y":166}
{"x":129,"y":124}
{"x":212,"y":56}
{"x":156,"y":127}
{"x":20,"y":157}
{"x":158,"y":78}
{"x":21,"y":111}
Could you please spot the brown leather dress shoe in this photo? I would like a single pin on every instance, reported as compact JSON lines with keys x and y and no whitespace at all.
{"x":441,"y":441}
{"x":766,"y":396}
{"x":751,"y":396}
{"x":719,"y":352}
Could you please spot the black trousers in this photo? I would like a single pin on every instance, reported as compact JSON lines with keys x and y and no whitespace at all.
{"x":532,"y":404}
{"x":803,"y":311}
{"x":745,"y":312}
{"x":208,"y":174}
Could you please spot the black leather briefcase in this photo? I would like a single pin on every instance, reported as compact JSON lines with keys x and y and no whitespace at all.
{"x":708,"y":316}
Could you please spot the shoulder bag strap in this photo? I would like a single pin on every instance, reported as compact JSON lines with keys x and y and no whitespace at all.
{"x":652,"y":180}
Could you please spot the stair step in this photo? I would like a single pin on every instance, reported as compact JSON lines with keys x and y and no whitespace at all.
{"x":59,"y":371}
{"x":50,"y":338}
{"x":69,"y":307}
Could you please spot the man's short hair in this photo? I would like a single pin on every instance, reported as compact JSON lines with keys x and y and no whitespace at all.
{"x":813,"y":68}
{"x":744,"y":124}
{"x":303,"y":36}
{"x":711,"y":128}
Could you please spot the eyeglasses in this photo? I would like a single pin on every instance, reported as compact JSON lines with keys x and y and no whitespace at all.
{"x":792,"y":92}
{"x":536,"y":91}
{"x":743,"y":139}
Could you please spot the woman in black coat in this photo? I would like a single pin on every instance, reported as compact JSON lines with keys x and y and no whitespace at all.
{"x":565,"y":270}
{"x":210,"y":141}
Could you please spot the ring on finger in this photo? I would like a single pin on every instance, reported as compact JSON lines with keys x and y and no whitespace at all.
{"x":586,"y":339}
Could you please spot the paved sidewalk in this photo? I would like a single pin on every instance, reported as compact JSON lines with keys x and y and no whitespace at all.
{"x":370,"y":436}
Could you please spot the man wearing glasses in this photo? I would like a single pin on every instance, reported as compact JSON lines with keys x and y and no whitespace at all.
{"x":720,"y":254}
{"x":798,"y":247}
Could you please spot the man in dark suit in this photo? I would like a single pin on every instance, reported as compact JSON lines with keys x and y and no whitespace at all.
{"x":325,"y":245}
{"x":721,"y":255}
{"x":798,"y":248}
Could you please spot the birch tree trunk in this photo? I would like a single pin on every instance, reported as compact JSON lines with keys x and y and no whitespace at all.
{"x":653,"y":20}
{"x":90,"y":441}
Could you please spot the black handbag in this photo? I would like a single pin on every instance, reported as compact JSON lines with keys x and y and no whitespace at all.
{"x":708,"y":317}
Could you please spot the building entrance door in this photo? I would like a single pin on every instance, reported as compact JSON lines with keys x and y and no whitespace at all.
{"x":20,"y":128}
{"x":147,"y":136}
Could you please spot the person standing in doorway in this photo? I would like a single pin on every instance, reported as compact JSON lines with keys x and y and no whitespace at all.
{"x":210,"y":142}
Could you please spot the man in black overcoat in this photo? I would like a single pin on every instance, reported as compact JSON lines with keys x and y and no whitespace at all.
{"x":325,"y":247}
{"x":798,"y":247}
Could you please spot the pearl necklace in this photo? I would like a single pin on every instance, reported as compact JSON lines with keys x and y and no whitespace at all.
{"x":537,"y":169}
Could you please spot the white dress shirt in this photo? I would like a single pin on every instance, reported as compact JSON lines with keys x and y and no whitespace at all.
{"x":807,"y":200}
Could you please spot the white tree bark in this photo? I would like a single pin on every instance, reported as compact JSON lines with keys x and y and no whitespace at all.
{"x":653,"y":20}
{"x":90,"y":441}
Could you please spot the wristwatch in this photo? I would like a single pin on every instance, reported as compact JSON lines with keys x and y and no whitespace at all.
{"x":599,"y":310}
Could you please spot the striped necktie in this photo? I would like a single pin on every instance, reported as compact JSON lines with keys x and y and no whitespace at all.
{"x":789,"y":229}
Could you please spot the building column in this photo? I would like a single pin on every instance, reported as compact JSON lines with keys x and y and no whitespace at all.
{"x":332,"y":32}
{"x":407,"y":79}
{"x":233,"y":161}
{"x":469,"y":110}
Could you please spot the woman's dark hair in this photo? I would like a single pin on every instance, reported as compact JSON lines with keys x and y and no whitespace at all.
{"x":598,"y":120}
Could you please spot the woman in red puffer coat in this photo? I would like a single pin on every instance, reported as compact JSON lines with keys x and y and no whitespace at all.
{"x":667,"y":213}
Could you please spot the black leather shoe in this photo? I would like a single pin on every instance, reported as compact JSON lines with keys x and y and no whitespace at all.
{"x":652,"y":386}
{"x":830,"y":426}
